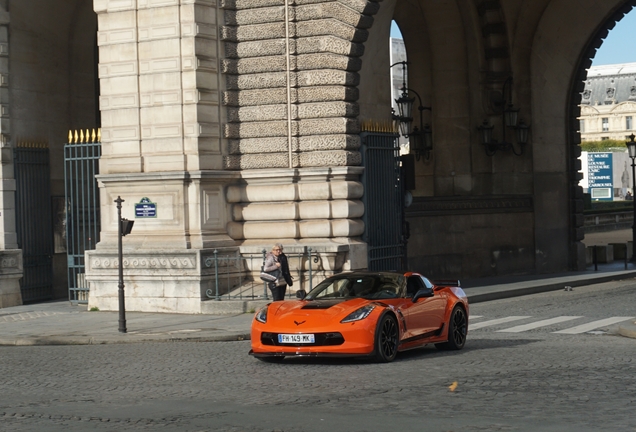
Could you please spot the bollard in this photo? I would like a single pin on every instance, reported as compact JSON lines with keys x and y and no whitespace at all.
{"x":595,"y":259}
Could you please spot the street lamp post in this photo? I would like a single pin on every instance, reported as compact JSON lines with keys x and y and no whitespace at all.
{"x":123,"y":229}
{"x":631,"y":148}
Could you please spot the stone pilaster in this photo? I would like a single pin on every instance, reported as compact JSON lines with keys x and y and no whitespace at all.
{"x":10,"y":255}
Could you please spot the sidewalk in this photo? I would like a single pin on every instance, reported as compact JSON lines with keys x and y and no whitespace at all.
{"x":61,"y":323}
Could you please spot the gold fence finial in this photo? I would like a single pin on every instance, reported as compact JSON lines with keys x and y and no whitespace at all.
{"x":70,"y":136}
{"x":76,"y":137}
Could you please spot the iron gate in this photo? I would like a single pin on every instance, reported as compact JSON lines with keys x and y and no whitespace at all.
{"x":34,"y":220}
{"x":81,"y":164}
{"x":383,"y":201}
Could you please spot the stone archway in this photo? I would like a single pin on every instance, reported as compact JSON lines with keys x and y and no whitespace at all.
{"x":577,"y":86}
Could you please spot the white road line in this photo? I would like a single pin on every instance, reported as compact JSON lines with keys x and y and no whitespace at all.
{"x":537,"y":324}
{"x":593,"y":325}
{"x":495,"y":322}
{"x":475,"y":316}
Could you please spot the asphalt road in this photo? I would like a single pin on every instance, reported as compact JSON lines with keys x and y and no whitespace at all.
{"x":517,"y":375}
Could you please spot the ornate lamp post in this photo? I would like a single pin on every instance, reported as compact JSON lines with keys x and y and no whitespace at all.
{"x":631,"y":148}
{"x":124,"y":228}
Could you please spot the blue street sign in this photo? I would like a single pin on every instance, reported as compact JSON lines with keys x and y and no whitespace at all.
{"x":145,"y":209}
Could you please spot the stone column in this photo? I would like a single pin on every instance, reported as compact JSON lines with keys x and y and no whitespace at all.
{"x":161,"y":141}
{"x":291,"y":72}
{"x":10,"y":255}
{"x":289,"y":170}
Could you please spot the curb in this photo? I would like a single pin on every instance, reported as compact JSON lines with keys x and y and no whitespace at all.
{"x":90,"y":340}
{"x":556,"y":286}
{"x":628,"y":330}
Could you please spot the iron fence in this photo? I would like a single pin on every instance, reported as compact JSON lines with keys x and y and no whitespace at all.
{"x":81,"y":165}
{"x":236,"y":276}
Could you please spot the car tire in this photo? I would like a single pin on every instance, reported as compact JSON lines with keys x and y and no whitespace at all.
{"x":457,"y":330}
{"x":386,"y":339}
{"x":276,"y":359}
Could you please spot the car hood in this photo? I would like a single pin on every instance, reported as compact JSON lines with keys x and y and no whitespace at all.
{"x":314,"y":313}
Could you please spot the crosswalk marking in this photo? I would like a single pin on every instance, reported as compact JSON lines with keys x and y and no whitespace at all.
{"x":593,"y":325}
{"x":495,"y":322}
{"x":537,"y":324}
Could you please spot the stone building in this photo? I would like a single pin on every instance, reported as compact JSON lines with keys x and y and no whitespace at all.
{"x":240,"y":121}
{"x":608,"y":105}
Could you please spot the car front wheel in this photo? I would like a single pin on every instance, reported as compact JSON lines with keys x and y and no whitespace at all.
{"x":386,"y":339}
{"x":457,"y":330}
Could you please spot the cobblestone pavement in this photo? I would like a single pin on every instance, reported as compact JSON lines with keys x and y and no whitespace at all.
{"x":530,"y":381}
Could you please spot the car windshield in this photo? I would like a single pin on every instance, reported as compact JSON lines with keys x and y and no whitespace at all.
{"x":374,"y":286}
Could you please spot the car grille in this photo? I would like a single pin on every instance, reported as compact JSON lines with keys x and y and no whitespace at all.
{"x":322,"y":339}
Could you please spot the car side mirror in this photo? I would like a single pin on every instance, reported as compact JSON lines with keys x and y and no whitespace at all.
{"x":301,"y":294}
{"x":423,"y":293}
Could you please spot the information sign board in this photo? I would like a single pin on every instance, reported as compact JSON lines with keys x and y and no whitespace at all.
{"x":600,"y":176}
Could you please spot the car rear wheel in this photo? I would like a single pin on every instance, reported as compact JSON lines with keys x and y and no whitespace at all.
{"x":386,"y":339}
{"x":457,"y":330}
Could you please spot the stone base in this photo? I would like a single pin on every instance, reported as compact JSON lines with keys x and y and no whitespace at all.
{"x":176,"y":281}
{"x":10,"y":275}
{"x":10,"y":294}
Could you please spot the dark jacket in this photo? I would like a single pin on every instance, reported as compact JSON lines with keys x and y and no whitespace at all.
{"x":284,"y":266}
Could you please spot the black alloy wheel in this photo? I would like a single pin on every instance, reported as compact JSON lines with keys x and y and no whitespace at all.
{"x":386,"y":339}
{"x":457,"y":330}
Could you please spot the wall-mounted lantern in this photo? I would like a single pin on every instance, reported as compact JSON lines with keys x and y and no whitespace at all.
{"x":510,"y":120}
{"x":420,"y":138}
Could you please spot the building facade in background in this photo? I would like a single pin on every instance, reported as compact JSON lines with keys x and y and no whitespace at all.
{"x":608,"y":103}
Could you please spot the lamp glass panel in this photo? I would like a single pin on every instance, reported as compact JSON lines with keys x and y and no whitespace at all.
{"x":427,"y":135}
{"x":486,"y":133}
{"x":511,"y":115}
{"x":405,"y":127}
{"x":405,"y":105}
{"x":522,"y":133}
{"x":631,"y":148}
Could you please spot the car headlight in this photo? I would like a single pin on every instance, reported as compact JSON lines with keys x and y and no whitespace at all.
{"x":359,"y":314}
{"x":261,"y":315}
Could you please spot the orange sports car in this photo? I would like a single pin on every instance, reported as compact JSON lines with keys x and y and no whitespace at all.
{"x":376,"y":314}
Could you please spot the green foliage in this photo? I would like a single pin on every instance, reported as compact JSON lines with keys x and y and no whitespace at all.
{"x":599,"y":207}
{"x":94,"y":309}
{"x":604,"y":146}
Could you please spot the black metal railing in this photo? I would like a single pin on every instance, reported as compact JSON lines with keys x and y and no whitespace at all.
{"x":236,"y":276}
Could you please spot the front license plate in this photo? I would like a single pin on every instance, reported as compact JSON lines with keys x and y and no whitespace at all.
{"x":296,"y":338}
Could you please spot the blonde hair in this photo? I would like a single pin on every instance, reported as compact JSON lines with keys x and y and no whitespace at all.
{"x":277,"y":245}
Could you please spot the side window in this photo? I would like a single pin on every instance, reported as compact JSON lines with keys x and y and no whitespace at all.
{"x":427,"y":283}
{"x":413,"y":285}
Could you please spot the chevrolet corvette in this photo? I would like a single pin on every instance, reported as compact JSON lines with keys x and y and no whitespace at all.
{"x":363,"y":314}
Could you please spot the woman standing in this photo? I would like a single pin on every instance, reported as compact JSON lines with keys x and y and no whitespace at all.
{"x":276,"y":260}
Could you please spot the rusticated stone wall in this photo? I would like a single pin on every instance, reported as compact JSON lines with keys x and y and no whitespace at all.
{"x":291,"y":76}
